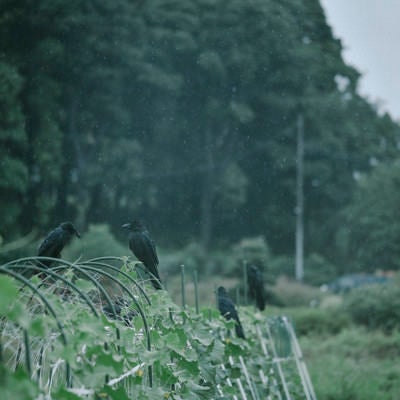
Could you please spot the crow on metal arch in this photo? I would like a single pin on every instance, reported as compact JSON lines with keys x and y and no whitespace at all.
{"x":144,"y":249}
{"x":55,"y":241}
{"x":227,"y":309}
{"x":255,"y":284}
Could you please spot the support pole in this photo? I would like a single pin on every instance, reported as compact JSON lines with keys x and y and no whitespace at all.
{"x":196,"y":290}
{"x":299,"y":272}
{"x":183,"y":289}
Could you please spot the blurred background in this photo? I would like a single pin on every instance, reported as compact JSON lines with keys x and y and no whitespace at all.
{"x":238,"y":132}
{"x":187,"y":115}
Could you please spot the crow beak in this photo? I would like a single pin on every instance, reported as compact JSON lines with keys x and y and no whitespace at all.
{"x":77,"y":234}
{"x":126,"y":226}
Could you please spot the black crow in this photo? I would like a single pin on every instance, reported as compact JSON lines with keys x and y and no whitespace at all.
{"x":228,"y":310}
{"x":255,"y":284}
{"x":144,"y":249}
{"x":55,"y":242}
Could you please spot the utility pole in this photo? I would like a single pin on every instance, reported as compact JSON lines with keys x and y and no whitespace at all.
{"x":300,"y":199}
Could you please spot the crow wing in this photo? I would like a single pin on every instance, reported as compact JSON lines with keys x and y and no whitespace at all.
{"x":52,"y":244}
{"x":144,"y":249}
{"x":228,"y":310}
{"x":256,"y":286}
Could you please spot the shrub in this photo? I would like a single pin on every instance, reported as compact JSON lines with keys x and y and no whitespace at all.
{"x":25,"y":251}
{"x":253,"y":250}
{"x":316,"y":321}
{"x":292,"y":293}
{"x":320,"y":321}
{"x":191,"y":256}
{"x":227,"y":263}
{"x":278,"y":266}
{"x":97,"y":242}
{"x":355,"y":364}
{"x":376,"y":307}
{"x":318,"y":270}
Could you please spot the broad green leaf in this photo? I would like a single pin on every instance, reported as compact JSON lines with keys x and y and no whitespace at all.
{"x":8,"y":293}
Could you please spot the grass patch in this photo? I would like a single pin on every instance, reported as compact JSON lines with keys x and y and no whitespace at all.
{"x":376,"y":307}
{"x":314,"y":321}
{"x":355,"y":364}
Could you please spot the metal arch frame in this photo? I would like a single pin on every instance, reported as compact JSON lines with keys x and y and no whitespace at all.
{"x":121,"y":272}
{"x":66,"y":281}
{"x":65,"y":265}
{"x":83,"y":268}
{"x":37,"y":292}
{"x":96,"y":261}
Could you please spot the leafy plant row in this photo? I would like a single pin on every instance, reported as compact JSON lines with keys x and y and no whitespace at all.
{"x":58,"y":342}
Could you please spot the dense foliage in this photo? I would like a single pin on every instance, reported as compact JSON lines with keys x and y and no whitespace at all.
{"x":185,"y":113}
{"x":164,"y":352}
{"x":376,"y":307}
{"x":371,"y":219}
{"x":355,"y":364}
{"x":110,"y":360}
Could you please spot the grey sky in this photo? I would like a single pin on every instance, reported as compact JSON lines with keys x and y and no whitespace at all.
{"x":370,"y":32}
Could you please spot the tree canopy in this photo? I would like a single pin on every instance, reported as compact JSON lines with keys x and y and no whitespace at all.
{"x":183,"y":113}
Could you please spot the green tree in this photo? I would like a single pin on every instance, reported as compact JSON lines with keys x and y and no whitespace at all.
{"x":13,"y":146}
{"x":30,"y":48}
{"x":74,"y":58}
{"x":371,"y":228}
{"x":184,"y":113}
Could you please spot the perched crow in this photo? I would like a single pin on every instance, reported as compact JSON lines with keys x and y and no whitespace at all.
{"x":256,"y":285}
{"x":55,"y":242}
{"x":228,"y":310}
{"x":120,"y":305}
{"x":144,"y":249}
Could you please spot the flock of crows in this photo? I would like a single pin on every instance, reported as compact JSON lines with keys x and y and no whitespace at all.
{"x":143,"y":247}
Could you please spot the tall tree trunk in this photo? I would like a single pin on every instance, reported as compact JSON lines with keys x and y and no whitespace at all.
{"x":207,"y":194}
{"x":79,"y":164}
{"x":73,"y":166}
{"x":61,"y":207}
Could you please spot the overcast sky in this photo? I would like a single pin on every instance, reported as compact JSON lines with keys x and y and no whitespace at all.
{"x":370,"y":33}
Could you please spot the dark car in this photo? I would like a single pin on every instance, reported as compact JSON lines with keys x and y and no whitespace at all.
{"x":346,"y":283}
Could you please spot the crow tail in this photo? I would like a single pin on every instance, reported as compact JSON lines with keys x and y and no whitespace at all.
{"x":260,"y":301}
{"x":156,"y":283}
{"x":239,"y":330}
